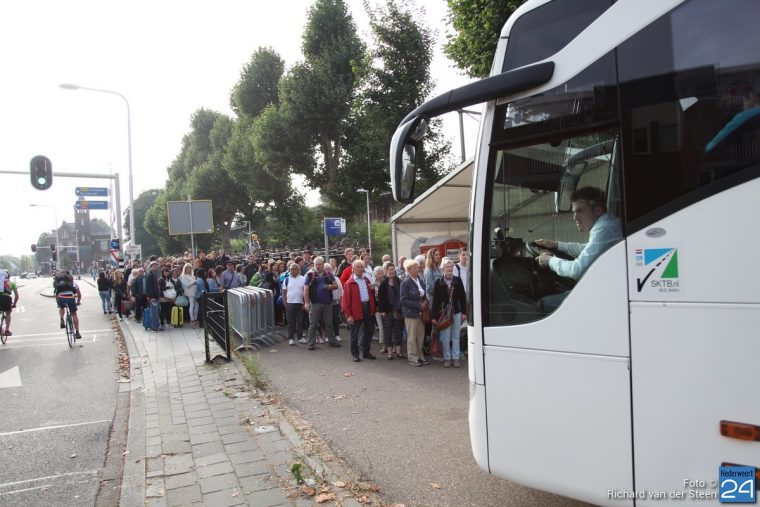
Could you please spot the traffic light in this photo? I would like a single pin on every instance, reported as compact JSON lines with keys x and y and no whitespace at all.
{"x":41,"y":172}
{"x":54,"y":256}
{"x":52,"y":247}
{"x":34,"y":248}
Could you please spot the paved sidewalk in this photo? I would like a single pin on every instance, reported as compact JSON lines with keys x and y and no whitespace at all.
{"x":195,"y":435}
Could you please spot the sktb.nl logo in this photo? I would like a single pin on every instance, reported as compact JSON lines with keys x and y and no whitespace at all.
{"x":657,"y":269}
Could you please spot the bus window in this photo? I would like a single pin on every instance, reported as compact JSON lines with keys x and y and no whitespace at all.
{"x":544,"y":148}
{"x":528,"y":205}
{"x":540,"y":33}
{"x":689,"y":87}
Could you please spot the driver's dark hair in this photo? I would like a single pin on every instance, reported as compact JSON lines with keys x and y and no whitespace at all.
{"x":594,"y":196}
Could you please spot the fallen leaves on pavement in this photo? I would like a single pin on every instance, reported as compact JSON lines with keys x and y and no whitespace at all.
{"x":325,"y":497}
{"x":308,"y":490}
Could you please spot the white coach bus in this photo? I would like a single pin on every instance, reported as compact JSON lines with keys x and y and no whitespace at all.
{"x":633,"y":371}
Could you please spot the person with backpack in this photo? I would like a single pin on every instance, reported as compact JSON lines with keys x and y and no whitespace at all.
{"x":318,"y":298}
{"x":104,"y":290}
{"x":6,"y":305}
{"x":67,"y":293}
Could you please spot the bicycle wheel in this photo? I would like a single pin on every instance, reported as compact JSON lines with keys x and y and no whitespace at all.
{"x":3,"y":336}
{"x":70,"y":329}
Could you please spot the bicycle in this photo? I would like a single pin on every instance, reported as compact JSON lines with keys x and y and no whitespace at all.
{"x":3,"y":327}
{"x":70,"y":331}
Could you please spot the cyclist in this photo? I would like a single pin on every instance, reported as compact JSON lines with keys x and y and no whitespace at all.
{"x":6,"y":306}
{"x":67,"y":293}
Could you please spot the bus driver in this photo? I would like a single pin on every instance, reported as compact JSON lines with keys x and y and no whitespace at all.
{"x":590,"y":214}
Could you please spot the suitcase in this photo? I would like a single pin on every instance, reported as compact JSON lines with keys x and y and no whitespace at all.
{"x":178,"y":316}
{"x":146,"y":318}
{"x":155,"y":316}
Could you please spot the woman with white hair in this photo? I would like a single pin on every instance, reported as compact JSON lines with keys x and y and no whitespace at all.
{"x":413,"y":301}
{"x":449,"y":305}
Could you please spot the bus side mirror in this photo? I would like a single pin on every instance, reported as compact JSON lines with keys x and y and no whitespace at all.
{"x":403,"y":158}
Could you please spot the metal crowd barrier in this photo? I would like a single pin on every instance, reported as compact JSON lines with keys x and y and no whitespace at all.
{"x":215,"y":318}
{"x":251,"y":316}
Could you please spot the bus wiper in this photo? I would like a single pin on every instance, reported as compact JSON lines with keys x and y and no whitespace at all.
{"x":550,"y":219}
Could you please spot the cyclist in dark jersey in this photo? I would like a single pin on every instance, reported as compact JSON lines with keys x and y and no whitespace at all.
{"x":6,"y":305}
{"x":67,"y":293}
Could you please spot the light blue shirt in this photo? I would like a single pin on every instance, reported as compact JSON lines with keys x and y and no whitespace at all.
{"x":363,"y":292}
{"x":605,"y":233}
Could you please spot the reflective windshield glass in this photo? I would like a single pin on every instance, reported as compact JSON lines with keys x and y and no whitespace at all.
{"x":540,"y":33}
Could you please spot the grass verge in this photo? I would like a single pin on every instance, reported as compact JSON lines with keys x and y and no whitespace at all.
{"x":256,"y":375}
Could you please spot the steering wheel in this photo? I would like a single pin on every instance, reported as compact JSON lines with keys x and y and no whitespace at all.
{"x":535,"y":250}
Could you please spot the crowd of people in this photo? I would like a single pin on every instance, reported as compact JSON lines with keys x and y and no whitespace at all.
{"x":415,"y":306}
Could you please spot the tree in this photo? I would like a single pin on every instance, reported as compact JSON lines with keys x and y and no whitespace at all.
{"x":156,"y":223}
{"x":397,"y":81}
{"x":478,"y":24}
{"x":258,"y":85}
{"x":316,"y":97}
{"x":142,"y":237}
{"x":198,"y":172}
{"x":267,"y":182}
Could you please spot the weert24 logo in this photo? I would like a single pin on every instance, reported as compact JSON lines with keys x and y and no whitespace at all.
{"x":657,"y":269}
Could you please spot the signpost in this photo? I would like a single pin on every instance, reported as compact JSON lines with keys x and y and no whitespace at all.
{"x":91,"y":191}
{"x":333,"y":227}
{"x":134,"y":250}
{"x":190,"y":217}
{"x":91,"y":205}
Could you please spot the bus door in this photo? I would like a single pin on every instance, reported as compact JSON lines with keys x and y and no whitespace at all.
{"x":556,"y":338}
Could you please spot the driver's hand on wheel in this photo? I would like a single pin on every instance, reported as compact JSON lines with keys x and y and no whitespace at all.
{"x":546,"y":243}
{"x":543,"y":259}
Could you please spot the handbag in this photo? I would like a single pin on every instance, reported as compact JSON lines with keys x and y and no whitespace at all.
{"x":446,"y":317}
{"x":170,"y":294}
{"x":426,"y":314}
{"x":182,"y":300}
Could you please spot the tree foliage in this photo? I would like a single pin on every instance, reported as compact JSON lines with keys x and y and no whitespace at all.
{"x":477,"y":24}
{"x":397,"y":81}
{"x":258,"y":85}
{"x":315,"y":99}
{"x":142,"y":237}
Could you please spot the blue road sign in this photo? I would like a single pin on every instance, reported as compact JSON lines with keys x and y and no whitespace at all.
{"x":114,"y":244}
{"x":92,"y":191}
{"x":91,"y":205}
{"x":335,"y":226}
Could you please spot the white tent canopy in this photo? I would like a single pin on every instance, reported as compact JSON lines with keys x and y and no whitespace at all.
{"x":441,"y":211}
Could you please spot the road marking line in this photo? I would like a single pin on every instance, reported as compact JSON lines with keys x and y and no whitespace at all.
{"x":13,"y":492}
{"x":59,"y":332}
{"x":6,"y":347}
{"x":67,"y":474}
{"x":10,"y":378}
{"x":41,"y":428}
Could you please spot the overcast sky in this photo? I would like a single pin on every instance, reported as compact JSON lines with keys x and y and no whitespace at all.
{"x":168,"y":58}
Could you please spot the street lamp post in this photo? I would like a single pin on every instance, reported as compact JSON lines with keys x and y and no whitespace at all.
{"x":248,"y":241}
{"x":369,"y":230}
{"x":76,"y":236}
{"x":69,"y":86}
{"x":57,"y":242}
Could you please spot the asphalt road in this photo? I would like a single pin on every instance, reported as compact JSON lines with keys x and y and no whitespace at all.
{"x":405,"y":428}
{"x":55,"y":425}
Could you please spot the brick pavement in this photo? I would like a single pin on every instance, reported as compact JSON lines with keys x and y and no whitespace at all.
{"x":195,"y":437}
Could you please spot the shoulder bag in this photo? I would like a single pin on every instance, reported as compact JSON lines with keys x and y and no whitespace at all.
{"x":446,"y":318}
